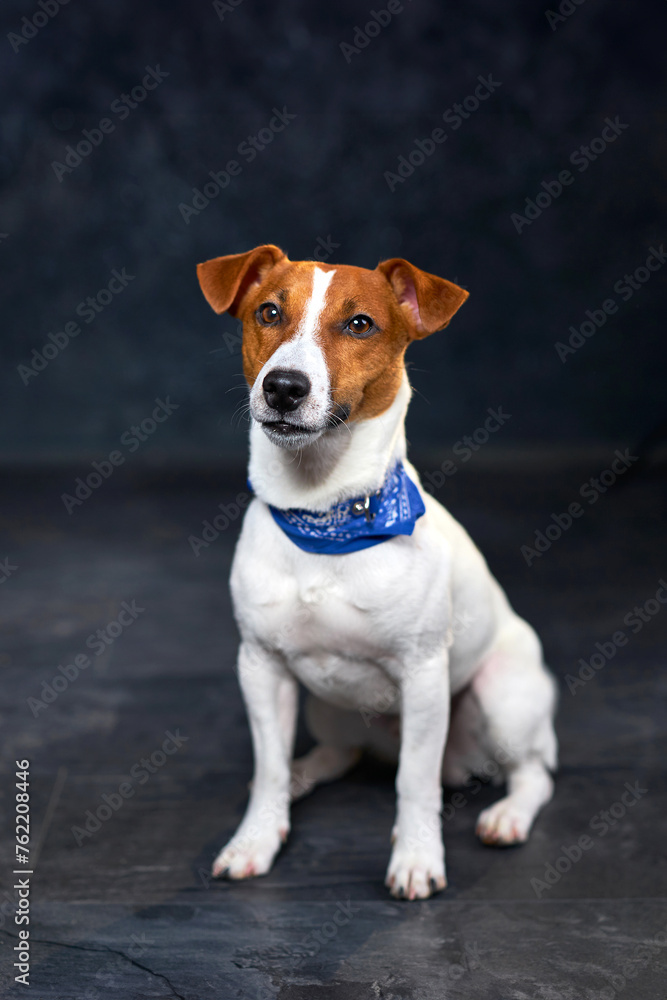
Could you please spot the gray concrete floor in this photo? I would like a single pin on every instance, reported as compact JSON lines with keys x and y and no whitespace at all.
{"x":130,"y":912}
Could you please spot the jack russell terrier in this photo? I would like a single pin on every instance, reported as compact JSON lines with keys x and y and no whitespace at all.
{"x":351,"y":579}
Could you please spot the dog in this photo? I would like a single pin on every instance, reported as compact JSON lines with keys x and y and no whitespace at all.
{"x":351,"y":579}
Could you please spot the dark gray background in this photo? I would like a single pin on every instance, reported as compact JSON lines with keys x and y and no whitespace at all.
{"x":323,"y":177}
{"x":66,"y":574}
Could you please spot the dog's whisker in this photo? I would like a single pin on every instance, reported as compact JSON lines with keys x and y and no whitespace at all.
{"x":242,"y":411}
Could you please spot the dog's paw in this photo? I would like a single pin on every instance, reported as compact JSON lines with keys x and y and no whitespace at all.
{"x":250,"y":852}
{"x":416,"y":872}
{"x":502,"y":825}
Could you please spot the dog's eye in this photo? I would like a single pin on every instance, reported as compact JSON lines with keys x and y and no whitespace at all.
{"x":268,"y":314}
{"x":360,"y":325}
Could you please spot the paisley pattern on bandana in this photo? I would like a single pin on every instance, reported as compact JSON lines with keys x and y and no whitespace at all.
{"x":348,"y":526}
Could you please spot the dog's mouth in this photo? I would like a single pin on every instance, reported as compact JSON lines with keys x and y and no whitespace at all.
{"x":294,"y":435}
{"x":283,"y":427}
{"x":288,"y":435}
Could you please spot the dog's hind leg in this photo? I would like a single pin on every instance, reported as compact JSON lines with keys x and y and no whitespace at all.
{"x":517,"y":698}
{"x":319,"y":765}
{"x":340,"y":735}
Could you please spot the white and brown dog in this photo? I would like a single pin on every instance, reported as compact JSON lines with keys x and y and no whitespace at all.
{"x":350,"y":578}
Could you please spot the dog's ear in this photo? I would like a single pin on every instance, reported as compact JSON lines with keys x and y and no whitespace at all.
{"x":429,"y":302}
{"x":226,"y":280}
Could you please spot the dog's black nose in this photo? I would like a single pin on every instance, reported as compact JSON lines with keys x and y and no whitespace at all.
{"x":285,"y":390}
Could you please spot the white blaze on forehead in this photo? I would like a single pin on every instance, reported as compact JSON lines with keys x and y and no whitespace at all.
{"x":310,"y":321}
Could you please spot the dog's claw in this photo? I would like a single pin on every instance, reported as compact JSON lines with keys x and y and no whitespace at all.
{"x":415,"y":875}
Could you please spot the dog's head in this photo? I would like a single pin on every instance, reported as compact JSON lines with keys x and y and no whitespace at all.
{"x":323,"y":344}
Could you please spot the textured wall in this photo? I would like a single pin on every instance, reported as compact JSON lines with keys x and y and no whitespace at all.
{"x":321,"y":180}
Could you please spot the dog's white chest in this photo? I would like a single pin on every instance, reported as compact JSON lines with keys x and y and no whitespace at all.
{"x":332,"y":644}
{"x":342,"y":623}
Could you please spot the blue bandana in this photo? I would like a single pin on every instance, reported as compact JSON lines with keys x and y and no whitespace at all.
{"x":356,"y":524}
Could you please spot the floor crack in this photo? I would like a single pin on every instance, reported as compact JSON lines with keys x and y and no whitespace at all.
{"x":105,"y":950}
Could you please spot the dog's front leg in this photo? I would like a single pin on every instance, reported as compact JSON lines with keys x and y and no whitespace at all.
{"x":271,"y":698}
{"x":417,"y":865}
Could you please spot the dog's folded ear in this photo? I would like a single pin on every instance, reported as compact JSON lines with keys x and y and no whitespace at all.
{"x":226,"y":280}
{"x":429,"y":302}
